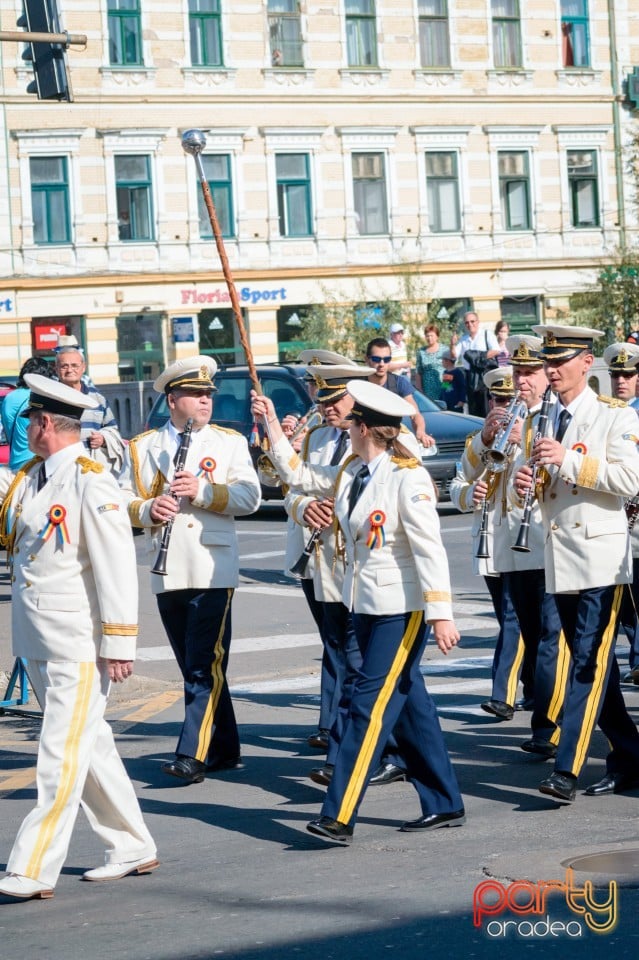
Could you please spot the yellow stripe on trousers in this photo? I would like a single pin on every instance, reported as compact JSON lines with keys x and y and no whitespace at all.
{"x":69,"y":769}
{"x":513,"y":676}
{"x":206,"y":727}
{"x":562,"y":672}
{"x":371,"y":737}
{"x":597,"y":690}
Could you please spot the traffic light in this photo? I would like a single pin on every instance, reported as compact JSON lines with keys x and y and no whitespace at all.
{"x":49,"y":59}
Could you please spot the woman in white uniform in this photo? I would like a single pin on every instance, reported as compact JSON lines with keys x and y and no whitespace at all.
{"x":398,"y":587}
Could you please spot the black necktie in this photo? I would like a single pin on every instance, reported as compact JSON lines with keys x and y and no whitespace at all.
{"x":42,"y":476}
{"x":340,"y":448}
{"x":359,"y":482}
{"x":564,"y":419}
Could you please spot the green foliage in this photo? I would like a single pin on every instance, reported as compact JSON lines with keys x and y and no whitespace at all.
{"x":612,"y":305}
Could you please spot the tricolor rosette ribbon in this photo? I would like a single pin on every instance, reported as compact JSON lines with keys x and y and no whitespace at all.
{"x":56,"y":522}
{"x":377,"y":537}
{"x":207,"y":466}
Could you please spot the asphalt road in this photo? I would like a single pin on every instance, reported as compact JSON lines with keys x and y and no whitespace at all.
{"x":241,"y":878}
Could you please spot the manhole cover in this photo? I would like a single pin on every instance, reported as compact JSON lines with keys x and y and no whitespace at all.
{"x":612,"y":862}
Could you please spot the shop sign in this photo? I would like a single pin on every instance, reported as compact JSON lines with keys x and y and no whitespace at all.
{"x":183,"y":331}
{"x":246,"y":295}
{"x":45,"y":335}
{"x":6,"y":304}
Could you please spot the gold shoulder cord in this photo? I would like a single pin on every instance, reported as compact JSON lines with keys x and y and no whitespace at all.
{"x":158,"y":481}
{"x":87,"y":465}
{"x":338,"y":533}
{"x":7,"y":536}
{"x":406,"y":462}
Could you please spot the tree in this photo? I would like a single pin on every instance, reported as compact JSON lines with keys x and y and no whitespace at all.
{"x":613,"y":304}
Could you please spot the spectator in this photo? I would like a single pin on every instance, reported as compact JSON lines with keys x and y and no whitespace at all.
{"x":453,"y":384}
{"x":379,"y":357}
{"x":15,"y":426}
{"x":484,"y":347}
{"x":502,"y":332}
{"x":399,"y":364}
{"x":429,"y":367}
{"x":100,"y":433}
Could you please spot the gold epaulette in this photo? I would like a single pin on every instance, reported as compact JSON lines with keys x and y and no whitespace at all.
{"x":404,"y":429}
{"x":611,"y":401}
{"x":140,"y":435}
{"x":406,"y":462}
{"x":89,"y":465}
{"x":216,"y":426}
{"x":469,"y":438}
{"x":6,"y":535}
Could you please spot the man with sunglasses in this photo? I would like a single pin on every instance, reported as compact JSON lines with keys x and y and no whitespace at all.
{"x":622,"y":360}
{"x":379,"y":357}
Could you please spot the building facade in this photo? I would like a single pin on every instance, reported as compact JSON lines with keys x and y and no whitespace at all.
{"x":477,"y":146}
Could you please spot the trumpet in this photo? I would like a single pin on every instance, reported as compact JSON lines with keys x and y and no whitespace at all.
{"x":521,"y":546}
{"x":266,"y":472}
{"x":497,"y":456}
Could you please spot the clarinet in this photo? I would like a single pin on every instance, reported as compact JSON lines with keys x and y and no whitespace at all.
{"x":521,"y":546}
{"x":180,"y":461}
{"x":483,"y":553}
{"x":631,"y":506}
{"x":302,"y":563}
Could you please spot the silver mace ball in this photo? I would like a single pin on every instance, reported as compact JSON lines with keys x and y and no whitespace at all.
{"x":193,"y":142}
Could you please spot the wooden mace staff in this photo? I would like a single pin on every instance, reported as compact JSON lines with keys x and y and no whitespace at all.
{"x":193,"y":143}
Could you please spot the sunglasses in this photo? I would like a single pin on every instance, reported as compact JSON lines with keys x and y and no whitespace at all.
{"x":625,"y":374}
{"x":501,"y":401}
{"x":380,"y":359}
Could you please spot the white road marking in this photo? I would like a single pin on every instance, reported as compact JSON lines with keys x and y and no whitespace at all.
{"x":262,"y":556}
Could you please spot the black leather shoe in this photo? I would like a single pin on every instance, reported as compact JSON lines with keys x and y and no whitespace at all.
{"x":387,"y":773}
{"x":230,"y":763}
{"x":331,"y":830}
{"x":561,"y":786}
{"x":322,"y":775}
{"x":319,"y":740}
{"x":613,"y":783}
{"x":431,"y":821}
{"x":499,"y":709}
{"x":526,"y":703}
{"x":544,"y":748}
{"x":186,"y":768}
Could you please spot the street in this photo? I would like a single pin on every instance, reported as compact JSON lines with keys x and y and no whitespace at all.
{"x":241,"y":878}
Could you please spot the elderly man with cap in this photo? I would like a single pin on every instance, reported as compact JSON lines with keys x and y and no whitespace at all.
{"x":399,"y":363}
{"x":397,"y":585}
{"x":194,"y":597}
{"x":593,"y":464}
{"x":481,"y":484}
{"x":74,"y":618}
{"x":623,"y":360}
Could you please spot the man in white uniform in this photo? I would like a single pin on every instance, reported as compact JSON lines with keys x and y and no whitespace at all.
{"x":74,"y":614}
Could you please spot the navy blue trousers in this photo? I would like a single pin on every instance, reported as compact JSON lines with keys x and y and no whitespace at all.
{"x":628,"y":616}
{"x":389,"y":695}
{"x":508,"y":659}
{"x":341,"y":663}
{"x":593,"y":695}
{"x":198,"y":625}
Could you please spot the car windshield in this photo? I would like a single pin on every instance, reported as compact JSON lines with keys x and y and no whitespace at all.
{"x":424,"y":405}
{"x":231,"y":403}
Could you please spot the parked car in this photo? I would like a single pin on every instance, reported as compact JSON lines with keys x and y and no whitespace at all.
{"x":284,"y":384}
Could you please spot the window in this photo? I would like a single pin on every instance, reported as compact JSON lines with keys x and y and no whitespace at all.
{"x":293,"y":194}
{"x":574,"y":33}
{"x":361,"y":45}
{"x":514,"y":191}
{"x":433,"y":33}
{"x":442,"y":187}
{"x":506,"y":33}
{"x":285,"y":33}
{"x":50,"y":199}
{"x":125,"y":33}
{"x":369,"y":192}
{"x":217,"y":170}
{"x":582,"y":185}
{"x":206,"y":33}
{"x":133,"y":193}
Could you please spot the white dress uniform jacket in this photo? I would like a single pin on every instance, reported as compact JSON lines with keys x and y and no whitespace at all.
{"x":587,"y":542}
{"x":74,"y":595}
{"x":410,"y":570}
{"x":203,"y":551}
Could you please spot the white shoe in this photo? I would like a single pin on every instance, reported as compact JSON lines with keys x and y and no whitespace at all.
{"x":115,"y":871}
{"x":24,"y":888}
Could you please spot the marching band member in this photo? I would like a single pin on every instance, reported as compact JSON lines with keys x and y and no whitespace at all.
{"x":396,"y":583}
{"x":74,"y":613}
{"x":194,"y":597}
{"x":593,"y":463}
